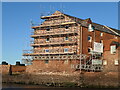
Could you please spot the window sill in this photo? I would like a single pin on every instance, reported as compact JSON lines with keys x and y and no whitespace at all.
{"x":113,"y":53}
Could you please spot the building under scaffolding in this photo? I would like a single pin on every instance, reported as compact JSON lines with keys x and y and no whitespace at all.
{"x":66,"y":43}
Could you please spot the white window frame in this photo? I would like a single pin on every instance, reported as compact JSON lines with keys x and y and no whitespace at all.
{"x":48,"y":30}
{"x":101,"y":34}
{"x":67,"y":28}
{"x":101,"y":41}
{"x":116,"y":62}
{"x":46,"y":39}
{"x":105,"y":62}
{"x":65,"y":50}
{"x":90,"y":39}
{"x":90,"y":28}
{"x":66,"y":61}
{"x":113,"y":49}
{"x":46,"y":50}
{"x":90,"y":49}
{"x":67,"y":37}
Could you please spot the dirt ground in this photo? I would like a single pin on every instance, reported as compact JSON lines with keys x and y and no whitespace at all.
{"x":85,"y":79}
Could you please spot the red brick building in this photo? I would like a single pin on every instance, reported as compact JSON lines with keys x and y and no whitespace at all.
{"x":63,"y":43}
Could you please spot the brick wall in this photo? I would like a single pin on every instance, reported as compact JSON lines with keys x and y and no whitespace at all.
{"x":4,"y":69}
{"x":110,"y":59}
{"x":55,"y":65}
{"x":95,"y":37}
{"x":18,"y":68}
{"x":52,"y":66}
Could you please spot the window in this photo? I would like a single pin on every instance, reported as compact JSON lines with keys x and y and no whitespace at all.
{"x":66,"y":38}
{"x":65,"y":49}
{"x":113,"y":49}
{"x":47,"y":39}
{"x":72,"y":66}
{"x":101,"y":41}
{"x":89,"y":38}
{"x":46,"y":50}
{"x":90,"y":28}
{"x":104,"y":62}
{"x":101,"y":34}
{"x":46,"y":61}
{"x":66,"y":62}
{"x":66,"y":27}
{"x":116,"y":62}
{"x":48,"y":29}
{"x":115,"y":37}
{"x":89,"y":50}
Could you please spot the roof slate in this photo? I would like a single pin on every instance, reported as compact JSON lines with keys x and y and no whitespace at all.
{"x":95,"y":25}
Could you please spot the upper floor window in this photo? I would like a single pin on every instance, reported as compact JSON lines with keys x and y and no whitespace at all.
{"x":101,"y":41}
{"x":47,"y":39}
{"x":46,"y":50}
{"x":89,"y":38}
{"x":101,"y":34}
{"x":90,"y":28}
{"x":48,"y":29}
{"x":113,"y":49}
{"x":89,"y":50}
{"x":66,"y":38}
{"x":65,"y":49}
{"x":66,"y":27}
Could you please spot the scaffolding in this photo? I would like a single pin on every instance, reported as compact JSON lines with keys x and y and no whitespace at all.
{"x":93,"y":63}
{"x":68,"y":34}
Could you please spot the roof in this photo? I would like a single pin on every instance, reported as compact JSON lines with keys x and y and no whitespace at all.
{"x":86,"y":22}
{"x":95,"y":25}
{"x":115,"y":43}
{"x":108,"y":43}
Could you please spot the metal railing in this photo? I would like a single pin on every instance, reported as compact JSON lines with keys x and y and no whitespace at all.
{"x":89,"y":67}
{"x":52,"y":22}
{"x":54,"y":41}
{"x":51,"y":51}
{"x":55,"y":32}
{"x":55,"y":57}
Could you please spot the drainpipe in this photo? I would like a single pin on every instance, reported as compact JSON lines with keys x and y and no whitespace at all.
{"x":80,"y":46}
{"x":10,"y":70}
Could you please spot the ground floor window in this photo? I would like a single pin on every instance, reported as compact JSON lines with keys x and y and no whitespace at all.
{"x":104,"y":62}
{"x":46,"y":61}
{"x":113,"y":49}
{"x":116,"y":62}
{"x":66,"y":62}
